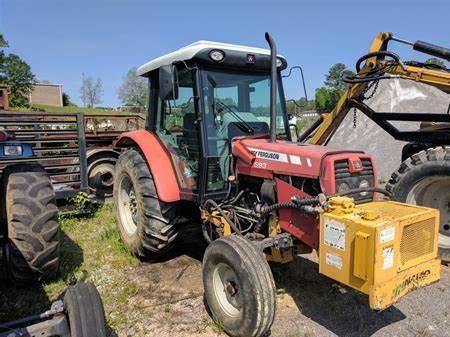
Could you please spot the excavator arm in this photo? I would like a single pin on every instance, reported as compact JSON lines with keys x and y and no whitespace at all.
{"x":380,"y":64}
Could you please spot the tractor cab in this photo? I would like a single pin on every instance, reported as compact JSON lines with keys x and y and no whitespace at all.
{"x":201,"y":97}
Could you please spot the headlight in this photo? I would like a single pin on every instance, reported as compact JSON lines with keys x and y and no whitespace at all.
{"x":364,"y":184}
{"x":12,"y":150}
{"x":216,"y":55}
{"x":279,"y":62}
{"x":343,"y":187}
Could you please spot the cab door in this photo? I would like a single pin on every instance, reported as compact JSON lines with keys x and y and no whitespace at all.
{"x":177,"y":126}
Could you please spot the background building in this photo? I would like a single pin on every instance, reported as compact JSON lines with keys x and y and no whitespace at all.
{"x":4,"y":105}
{"x":47,"y":94}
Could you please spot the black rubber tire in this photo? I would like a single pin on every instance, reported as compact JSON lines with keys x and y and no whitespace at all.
{"x":101,"y":164}
{"x":33,"y":230}
{"x":431,"y":162}
{"x":256,"y":285}
{"x":84,"y":310}
{"x":156,"y":221}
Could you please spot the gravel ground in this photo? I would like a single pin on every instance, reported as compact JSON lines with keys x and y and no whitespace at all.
{"x":165,"y":299}
{"x":309,"y":304}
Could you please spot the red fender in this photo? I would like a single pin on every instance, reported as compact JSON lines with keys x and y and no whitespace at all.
{"x":158,"y":161}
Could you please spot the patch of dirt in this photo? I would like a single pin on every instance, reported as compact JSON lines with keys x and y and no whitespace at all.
{"x":169,"y":302}
{"x":165,"y":298}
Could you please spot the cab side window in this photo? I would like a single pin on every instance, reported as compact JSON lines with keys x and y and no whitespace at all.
{"x":178,"y":129}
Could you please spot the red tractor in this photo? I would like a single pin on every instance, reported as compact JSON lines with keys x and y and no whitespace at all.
{"x":217,"y":151}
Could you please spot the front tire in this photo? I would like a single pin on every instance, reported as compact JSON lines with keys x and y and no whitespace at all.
{"x":239,"y":287}
{"x":147,"y":225}
{"x":424,"y":179}
{"x":33,"y":230}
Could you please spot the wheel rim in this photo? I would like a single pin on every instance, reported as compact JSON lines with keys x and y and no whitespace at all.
{"x":435,"y":192}
{"x":127,"y":205}
{"x":101,"y":176}
{"x":227,"y":289}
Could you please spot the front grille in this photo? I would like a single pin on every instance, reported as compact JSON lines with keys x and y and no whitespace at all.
{"x":342,"y":174}
{"x":417,"y":240}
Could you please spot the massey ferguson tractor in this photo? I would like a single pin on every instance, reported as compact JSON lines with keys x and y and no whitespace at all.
{"x":217,"y":151}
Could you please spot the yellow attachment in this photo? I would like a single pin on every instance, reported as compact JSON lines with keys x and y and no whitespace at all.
{"x":383,"y":249}
{"x":278,"y":255}
{"x":217,"y":220}
{"x":341,"y":205}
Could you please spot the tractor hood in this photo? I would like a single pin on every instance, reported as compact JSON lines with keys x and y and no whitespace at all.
{"x":283,"y":157}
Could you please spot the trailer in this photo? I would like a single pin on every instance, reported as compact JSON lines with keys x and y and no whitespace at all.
{"x":69,"y":137}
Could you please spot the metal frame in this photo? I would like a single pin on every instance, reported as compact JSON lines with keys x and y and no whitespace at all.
{"x":436,"y":78}
{"x":53,"y":322}
{"x":61,"y":141}
{"x":438,"y":137}
{"x":59,"y":146}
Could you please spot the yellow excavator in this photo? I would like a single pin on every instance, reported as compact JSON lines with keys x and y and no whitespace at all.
{"x":424,"y":175}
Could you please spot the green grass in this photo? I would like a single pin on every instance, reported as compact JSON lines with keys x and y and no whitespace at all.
{"x":69,"y":109}
{"x":90,"y":250}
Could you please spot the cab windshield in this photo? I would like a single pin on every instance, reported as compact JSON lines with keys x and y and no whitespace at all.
{"x":236,"y":103}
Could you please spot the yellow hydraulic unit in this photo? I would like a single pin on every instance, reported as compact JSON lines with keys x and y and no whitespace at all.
{"x":384,"y":249}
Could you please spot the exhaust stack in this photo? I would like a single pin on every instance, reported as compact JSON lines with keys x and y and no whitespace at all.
{"x":273,"y":87}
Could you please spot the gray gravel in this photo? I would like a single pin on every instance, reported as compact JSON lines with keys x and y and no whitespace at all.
{"x":392,"y":96}
{"x":312,"y":305}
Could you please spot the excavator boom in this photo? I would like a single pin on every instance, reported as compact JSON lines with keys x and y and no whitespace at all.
{"x":376,"y":67}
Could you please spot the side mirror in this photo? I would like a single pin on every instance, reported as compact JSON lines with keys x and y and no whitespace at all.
{"x":168,"y":82}
{"x":303,"y":84}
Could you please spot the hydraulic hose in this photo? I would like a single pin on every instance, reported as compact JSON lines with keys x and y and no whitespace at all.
{"x":374,"y":74}
{"x":307,"y":208}
{"x":381,"y":53}
{"x":205,"y":233}
{"x":222,"y":213}
{"x":305,"y":204}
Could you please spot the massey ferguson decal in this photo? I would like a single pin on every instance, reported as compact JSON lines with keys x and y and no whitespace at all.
{"x":269,"y":155}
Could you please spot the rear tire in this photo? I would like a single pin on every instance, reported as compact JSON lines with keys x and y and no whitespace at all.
{"x":85,"y":311}
{"x":147,"y":225}
{"x":33,"y":230}
{"x":239,"y":287}
{"x":424,"y":179}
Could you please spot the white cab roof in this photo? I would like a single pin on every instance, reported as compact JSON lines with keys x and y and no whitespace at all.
{"x":188,"y":52}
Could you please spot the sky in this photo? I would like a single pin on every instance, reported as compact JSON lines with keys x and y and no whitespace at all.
{"x":61,"y":39}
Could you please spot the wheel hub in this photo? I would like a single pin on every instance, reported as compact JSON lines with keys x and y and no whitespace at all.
{"x":128,"y":209}
{"x":226,"y":289}
{"x":231,"y":289}
{"x":133,"y":204}
{"x":101,"y":177}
